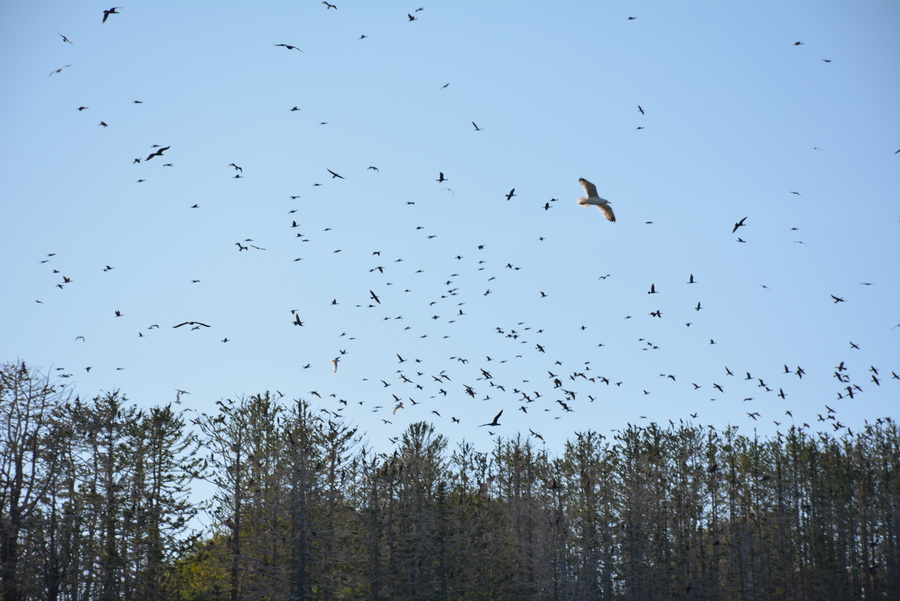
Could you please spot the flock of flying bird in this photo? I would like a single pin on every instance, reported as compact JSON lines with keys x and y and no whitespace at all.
{"x":564,"y":389}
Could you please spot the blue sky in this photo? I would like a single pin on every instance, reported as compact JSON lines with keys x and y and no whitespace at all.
{"x":736,"y":118}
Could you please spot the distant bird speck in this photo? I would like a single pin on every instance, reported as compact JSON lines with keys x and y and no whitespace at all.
{"x":111,"y":11}
{"x":59,"y":70}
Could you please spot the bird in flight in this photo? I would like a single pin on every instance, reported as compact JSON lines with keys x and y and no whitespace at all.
{"x":158,"y":153}
{"x":837,"y":299}
{"x":594,"y":199}
{"x":476,"y":127}
{"x":494,"y":422}
{"x":511,"y":194}
{"x":59,"y":71}
{"x":334,"y":175}
{"x":739,"y":224}
{"x":111,"y":11}
{"x":334,"y":363}
{"x":64,"y":38}
{"x":192,"y":323}
{"x":236,"y":168}
{"x":288,"y":46}
{"x":327,"y":6}
{"x":410,"y":17}
{"x":374,"y":297}
{"x":640,"y":109}
{"x":441,"y":177}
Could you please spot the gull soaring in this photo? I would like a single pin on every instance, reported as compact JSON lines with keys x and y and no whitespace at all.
{"x":593,"y":199}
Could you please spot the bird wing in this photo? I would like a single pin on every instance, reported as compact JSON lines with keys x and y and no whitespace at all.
{"x":589,"y":188}
{"x":606,"y":210}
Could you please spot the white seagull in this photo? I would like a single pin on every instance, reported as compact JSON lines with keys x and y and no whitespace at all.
{"x":334,"y":363}
{"x":593,"y":199}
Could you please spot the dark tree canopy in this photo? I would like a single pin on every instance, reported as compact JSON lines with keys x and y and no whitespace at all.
{"x":95,"y":504}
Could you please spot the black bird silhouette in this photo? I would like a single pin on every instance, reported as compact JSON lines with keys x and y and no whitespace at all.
{"x":691,"y":281}
{"x":374,"y":297}
{"x":511,"y":194}
{"x":64,"y":38}
{"x":640,"y":109}
{"x":334,"y":175}
{"x":739,"y":224}
{"x":652,"y":289}
{"x":111,"y":11}
{"x":158,"y":153}
{"x":60,"y":70}
{"x":495,"y":422}
{"x":837,"y":299}
{"x":410,"y":17}
{"x":327,"y":6}
{"x":441,"y":177}
{"x":479,"y":129}
{"x":288,"y":46}
{"x":192,"y":323}
{"x":235,"y":167}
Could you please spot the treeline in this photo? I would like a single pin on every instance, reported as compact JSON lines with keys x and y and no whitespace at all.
{"x":94,"y":505}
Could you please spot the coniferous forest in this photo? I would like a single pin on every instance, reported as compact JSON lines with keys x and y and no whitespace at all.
{"x":98,"y":501}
